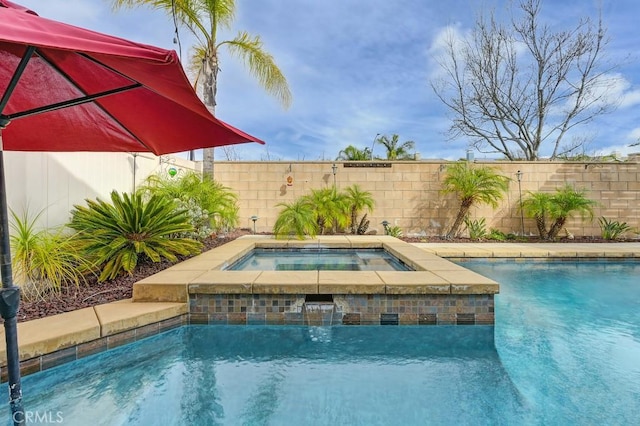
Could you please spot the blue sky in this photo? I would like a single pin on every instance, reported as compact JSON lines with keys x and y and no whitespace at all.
{"x":357,"y":68}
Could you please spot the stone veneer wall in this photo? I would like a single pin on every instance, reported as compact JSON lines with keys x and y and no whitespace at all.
{"x":407,"y":194}
{"x":351,"y":309}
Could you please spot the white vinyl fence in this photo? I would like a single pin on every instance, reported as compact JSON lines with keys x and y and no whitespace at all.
{"x":52,"y":183}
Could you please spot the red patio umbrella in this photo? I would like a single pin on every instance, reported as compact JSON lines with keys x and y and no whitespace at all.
{"x":64,"y":88}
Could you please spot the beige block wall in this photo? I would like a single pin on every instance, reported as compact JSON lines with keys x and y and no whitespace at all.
{"x":408,"y":194}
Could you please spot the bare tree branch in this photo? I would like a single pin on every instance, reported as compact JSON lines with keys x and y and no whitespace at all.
{"x":514,"y":88}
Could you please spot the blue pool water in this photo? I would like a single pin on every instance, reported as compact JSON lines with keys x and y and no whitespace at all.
{"x":334,"y":259}
{"x":566,"y":351}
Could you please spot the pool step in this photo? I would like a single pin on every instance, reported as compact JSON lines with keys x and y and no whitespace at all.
{"x":318,"y":313}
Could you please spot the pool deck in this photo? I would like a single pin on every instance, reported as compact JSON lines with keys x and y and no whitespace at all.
{"x":50,"y":341}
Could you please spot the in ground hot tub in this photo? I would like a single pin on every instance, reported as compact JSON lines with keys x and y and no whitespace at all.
{"x":319,"y":259}
{"x":432,"y":291}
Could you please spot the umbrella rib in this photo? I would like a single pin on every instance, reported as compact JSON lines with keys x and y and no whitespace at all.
{"x":71,"y":102}
{"x":15,"y":78}
{"x":85,"y":99}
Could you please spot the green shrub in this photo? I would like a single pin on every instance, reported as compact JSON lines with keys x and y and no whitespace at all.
{"x":211,"y":206}
{"x":612,"y":229}
{"x":331,"y":209}
{"x":297,"y":218}
{"x":497,"y":235}
{"x":394,"y":231}
{"x":115,"y":236}
{"x":44,"y":260}
{"x":477,"y":228}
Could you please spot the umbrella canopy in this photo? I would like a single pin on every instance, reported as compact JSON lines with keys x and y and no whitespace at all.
{"x":64,"y":88}
{"x":136,"y":97}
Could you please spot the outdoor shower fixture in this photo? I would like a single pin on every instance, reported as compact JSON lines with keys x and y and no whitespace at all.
{"x":254,"y":218}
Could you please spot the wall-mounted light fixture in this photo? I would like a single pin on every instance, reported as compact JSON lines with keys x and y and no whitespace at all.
{"x":334,"y":168}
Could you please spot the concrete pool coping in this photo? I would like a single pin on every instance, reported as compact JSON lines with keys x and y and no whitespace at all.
{"x":87,"y":331}
{"x":205,"y":274}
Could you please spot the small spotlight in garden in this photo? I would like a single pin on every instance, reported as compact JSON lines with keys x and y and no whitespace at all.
{"x":385,"y":224}
{"x":254,"y":219}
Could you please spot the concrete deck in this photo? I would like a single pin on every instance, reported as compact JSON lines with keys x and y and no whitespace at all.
{"x":435,"y":275}
{"x":46,"y":335}
{"x":533,"y":250}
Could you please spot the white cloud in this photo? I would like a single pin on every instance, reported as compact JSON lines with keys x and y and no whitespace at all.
{"x":356,"y":68}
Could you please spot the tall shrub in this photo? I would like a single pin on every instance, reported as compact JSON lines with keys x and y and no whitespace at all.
{"x":211,"y":206}
{"x":44,"y":260}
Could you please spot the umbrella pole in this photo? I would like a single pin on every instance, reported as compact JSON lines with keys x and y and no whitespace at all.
{"x":9,"y":304}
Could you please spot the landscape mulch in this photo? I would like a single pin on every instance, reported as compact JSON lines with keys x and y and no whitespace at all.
{"x":94,"y":293}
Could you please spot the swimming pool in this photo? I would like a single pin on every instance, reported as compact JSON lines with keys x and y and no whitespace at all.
{"x":319,"y":259}
{"x":565,"y":352}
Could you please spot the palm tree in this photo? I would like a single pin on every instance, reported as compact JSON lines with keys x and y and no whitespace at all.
{"x":537,"y":205}
{"x":296,"y":218}
{"x":396,"y":151}
{"x":330,"y":207}
{"x":473,"y":185}
{"x":203,"y":18}
{"x":357,"y":199}
{"x":351,"y":153}
{"x":214,"y":200}
{"x":564,"y":204}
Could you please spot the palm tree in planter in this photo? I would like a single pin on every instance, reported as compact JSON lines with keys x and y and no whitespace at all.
{"x":473,"y":185}
{"x":566,"y":202}
{"x":297,"y":218}
{"x":538,"y":205}
{"x":358,"y":200}
{"x":204,"y":19}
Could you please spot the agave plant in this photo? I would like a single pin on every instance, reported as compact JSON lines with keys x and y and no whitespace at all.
{"x":117,"y":235}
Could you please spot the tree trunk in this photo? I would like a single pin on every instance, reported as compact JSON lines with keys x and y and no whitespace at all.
{"x":354,"y":221}
{"x":542,"y":227}
{"x":464,"y":209}
{"x":557,"y":226}
{"x":209,"y":89}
